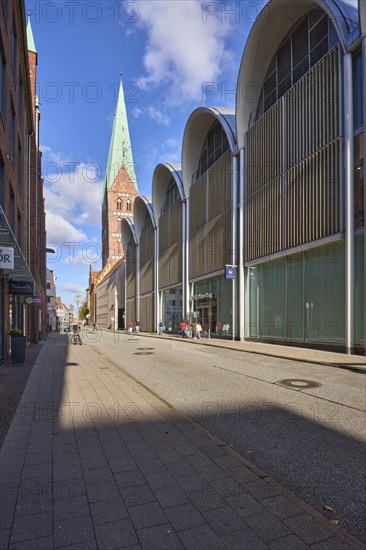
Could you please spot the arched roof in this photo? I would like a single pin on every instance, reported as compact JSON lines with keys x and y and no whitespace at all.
{"x":195,"y":133}
{"x":142,"y":205}
{"x":269,"y":30}
{"x":127,"y":232}
{"x":161,"y":179}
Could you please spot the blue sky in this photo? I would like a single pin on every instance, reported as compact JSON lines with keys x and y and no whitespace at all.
{"x":167,"y":50}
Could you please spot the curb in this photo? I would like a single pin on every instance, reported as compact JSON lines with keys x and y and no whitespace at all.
{"x":345,"y":366}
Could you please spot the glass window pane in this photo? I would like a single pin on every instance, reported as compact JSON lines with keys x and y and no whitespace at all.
{"x":272,"y":300}
{"x":359,"y":192}
{"x":324,"y":280}
{"x":284,"y":60}
{"x":295,"y":300}
{"x":358,"y":113}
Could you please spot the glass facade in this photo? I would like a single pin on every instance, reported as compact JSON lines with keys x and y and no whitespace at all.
{"x":211,"y":305}
{"x":358,"y":113}
{"x":359,"y":291}
{"x":172,"y":309}
{"x":300,"y":298}
{"x":359,"y":182}
{"x":311,"y":40}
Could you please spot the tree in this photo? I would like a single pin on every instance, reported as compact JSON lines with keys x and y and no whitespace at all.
{"x":83,"y":311}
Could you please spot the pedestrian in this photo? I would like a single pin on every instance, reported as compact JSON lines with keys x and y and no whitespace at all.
{"x":137,"y":326}
{"x":134,"y":325}
{"x":225,"y":329}
{"x":183,"y":328}
{"x":198,"y":330}
{"x":160,"y":327}
{"x":218,"y":328}
{"x":194,"y":329}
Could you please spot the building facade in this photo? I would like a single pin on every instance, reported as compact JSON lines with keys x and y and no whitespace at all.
{"x":21,"y":279}
{"x":51,"y":306}
{"x":262,"y":228}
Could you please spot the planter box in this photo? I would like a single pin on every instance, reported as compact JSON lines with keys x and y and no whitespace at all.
{"x":18,"y":347}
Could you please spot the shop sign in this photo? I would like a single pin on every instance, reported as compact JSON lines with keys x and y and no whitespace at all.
{"x":203,"y":296}
{"x":21,"y":288}
{"x":37,"y":300}
{"x":230,"y":272}
{"x":6,"y":258}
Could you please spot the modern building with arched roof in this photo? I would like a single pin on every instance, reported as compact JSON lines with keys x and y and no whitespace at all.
{"x":168,"y":202}
{"x":145,"y":229}
{"x":300,"y":131}
{"x":129,"y":242}
{"x":210,"y":181}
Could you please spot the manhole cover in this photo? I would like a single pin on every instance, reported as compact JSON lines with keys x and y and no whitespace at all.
{"x":299,"y":384}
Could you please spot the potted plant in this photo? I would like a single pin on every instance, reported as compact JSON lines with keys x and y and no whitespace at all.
{"x":18,"y":346}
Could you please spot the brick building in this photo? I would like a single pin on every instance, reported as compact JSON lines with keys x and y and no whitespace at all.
{"x":119,"y":196}
{"x":21,"y":199}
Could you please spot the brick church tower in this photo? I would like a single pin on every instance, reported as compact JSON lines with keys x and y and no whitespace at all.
{"x":120,"y":188}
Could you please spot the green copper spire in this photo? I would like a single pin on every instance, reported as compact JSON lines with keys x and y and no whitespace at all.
{"x":30,"y":38}
{"x":120,"y":151}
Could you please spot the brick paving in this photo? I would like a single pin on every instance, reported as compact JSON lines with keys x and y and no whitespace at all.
{"x":92,"y":459}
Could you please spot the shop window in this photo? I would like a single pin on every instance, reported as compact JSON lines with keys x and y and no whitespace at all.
{"x":359,"y":191}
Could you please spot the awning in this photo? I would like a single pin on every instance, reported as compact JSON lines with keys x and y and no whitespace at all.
{"x":21,"y":271}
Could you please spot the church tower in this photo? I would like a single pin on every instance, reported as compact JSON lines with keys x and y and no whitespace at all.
{"x":120,"y":188}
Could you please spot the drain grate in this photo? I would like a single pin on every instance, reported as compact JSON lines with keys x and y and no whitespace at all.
{"x":299,"y":384}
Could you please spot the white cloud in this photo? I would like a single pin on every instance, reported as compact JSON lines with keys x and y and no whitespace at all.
{"x":157,"y":115}
{"x":72,"y":193}
{"x":171,"y":151}
{"x":137,"y":112}
{"x":71,"y":287}
{"x":184,"y":49}
{"x":60,"y":230}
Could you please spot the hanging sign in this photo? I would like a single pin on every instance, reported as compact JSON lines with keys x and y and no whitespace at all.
{"x":230,"y":272}
{"x":21,"y":288}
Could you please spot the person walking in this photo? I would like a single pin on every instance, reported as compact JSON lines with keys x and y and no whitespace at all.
{"x":160,"y":328}
{"x":183,"y":328}
{"x":198,"y":330}
{"x":194,"y":329}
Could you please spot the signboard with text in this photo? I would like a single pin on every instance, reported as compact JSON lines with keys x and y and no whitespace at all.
{"x":21,"y":288}
{"x":230,"y":272}
{"x":6,"y":258}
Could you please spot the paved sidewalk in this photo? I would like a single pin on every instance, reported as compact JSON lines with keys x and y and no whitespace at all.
{"x":307,"y":355}
{"x":93,"y":460}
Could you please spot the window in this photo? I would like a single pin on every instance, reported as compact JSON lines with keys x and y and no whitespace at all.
{"x":215,"y":145}
{"x":19,"y":228}
{"x":2,"y":182}
{"x":12,"y":133}
{"x":20,"y":166}
{"x":48,"y":286}
{"x":358,"y":113}
{"x":20,"y":102}
{"x":2,"y":85}
{"x":171,"y":196}
{"x":14,"y":49}
{"x":119,"y":204}
{"x":359,"y":182}
{"x":129,"y":205}
{"x":12,"y":211}
{"x":5,"y":8}
{"x":305,"y":45}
